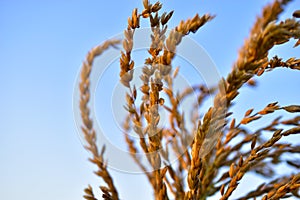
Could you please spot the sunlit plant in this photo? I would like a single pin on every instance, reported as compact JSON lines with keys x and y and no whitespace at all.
{"x":216,"y":152}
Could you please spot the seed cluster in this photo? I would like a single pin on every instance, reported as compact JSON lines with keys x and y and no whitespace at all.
{"x":216,"y":153}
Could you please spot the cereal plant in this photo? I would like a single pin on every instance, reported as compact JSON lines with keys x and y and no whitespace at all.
{"x":214,"y":150}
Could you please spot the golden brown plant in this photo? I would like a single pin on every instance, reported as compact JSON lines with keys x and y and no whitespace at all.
{"x":208,"y":153}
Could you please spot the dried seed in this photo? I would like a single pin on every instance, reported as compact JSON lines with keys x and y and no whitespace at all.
{"x":247,"y":120}
{"x":232,"y":170}
{"x":248,"y":112}
{"x":145,"y":89}
{"x":165,"y":19}
{"x":272,"y":104}
{"x":232,"y":124}
{"x":134,"y":92}
{"x":129,"y":99}
{"x":146,"y":4}
{"x":296,"y":14}
{"x":252,"y":82}
{"x":222,"y":189}
{"x":161,"y":101}
{"x":129,"y":21}
{"x":131,"y":65}
{"x":175,"y":72}
{"x":291,"y":131}
{"x":145,"y":14}
{"x":241,"y":161}
{"x":103,"y":150}
{"x":297,"y":43}
{"x":260,"y":72}
{"x":292,"y":108}
{"x":156,"y":7}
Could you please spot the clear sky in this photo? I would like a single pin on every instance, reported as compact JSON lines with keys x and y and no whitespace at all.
{"x":42,"y":45}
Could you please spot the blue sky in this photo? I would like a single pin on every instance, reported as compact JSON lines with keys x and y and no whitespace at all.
{"x":42,"y":45}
